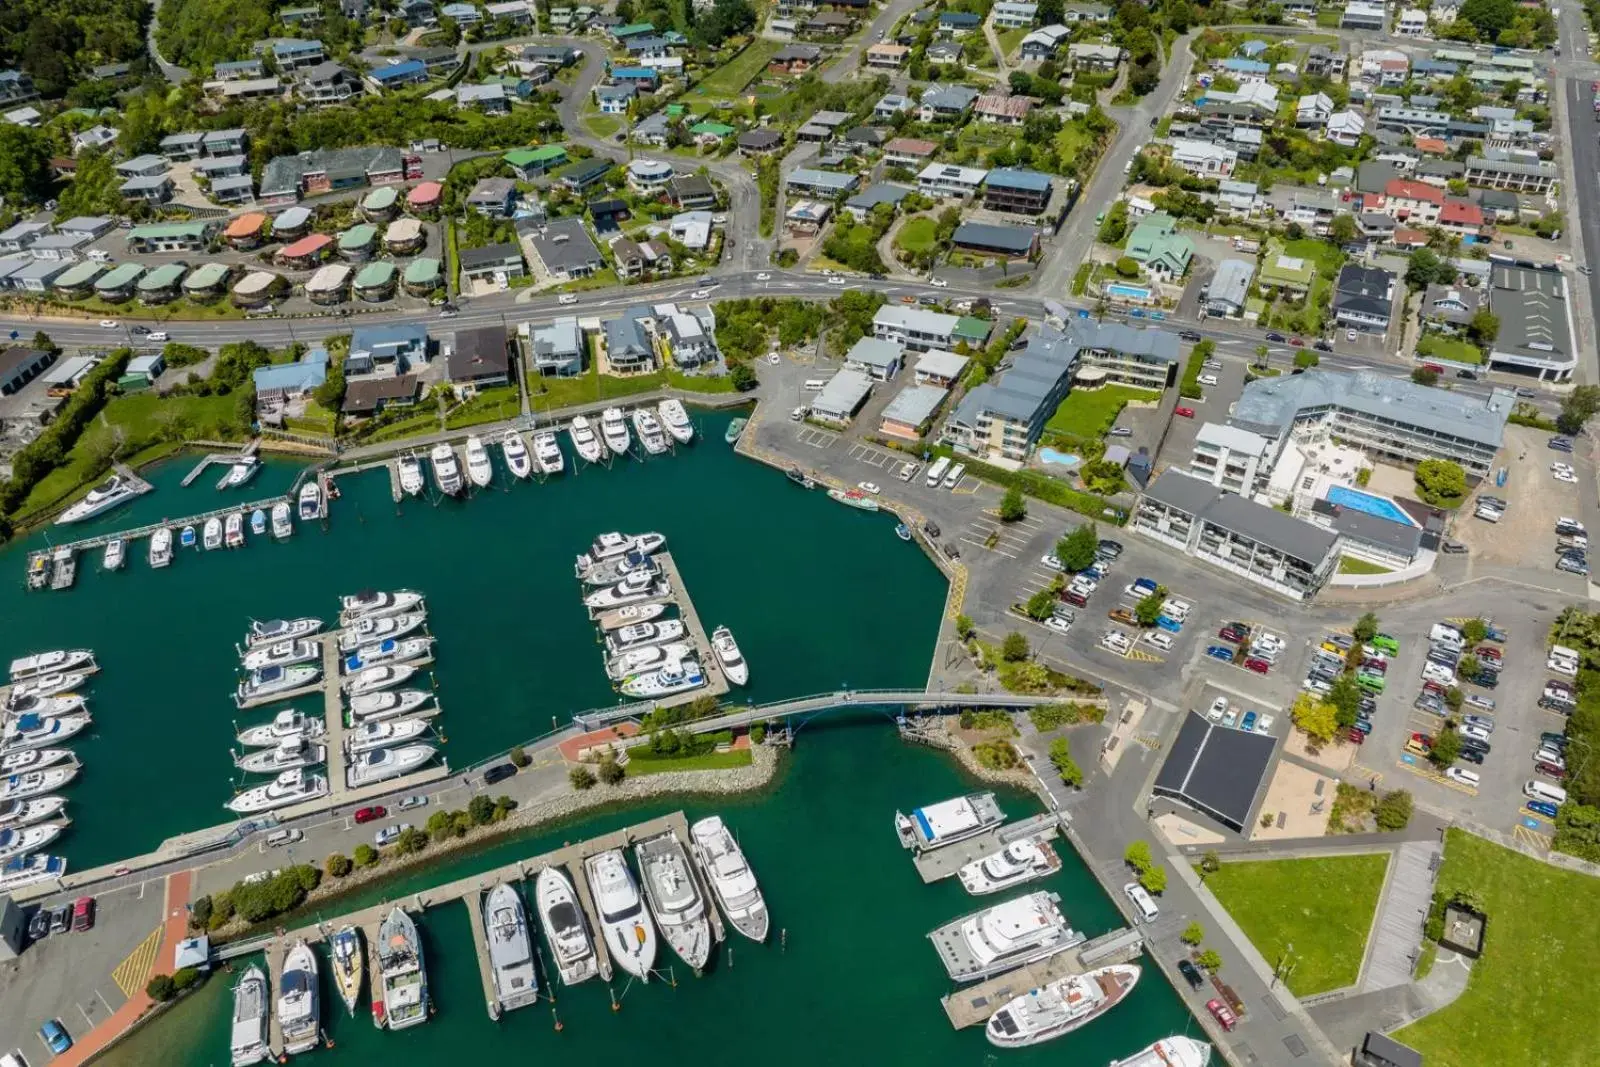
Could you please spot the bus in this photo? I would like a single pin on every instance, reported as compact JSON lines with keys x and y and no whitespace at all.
{"x":936,"y":472}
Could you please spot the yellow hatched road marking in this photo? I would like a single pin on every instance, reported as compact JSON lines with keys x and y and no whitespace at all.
{"x":1144,"y":657}
{"x":132,"y":972}
{"x":1432,"y":776}
{"x":1528,"y":837}
{"x":1366,"y":772}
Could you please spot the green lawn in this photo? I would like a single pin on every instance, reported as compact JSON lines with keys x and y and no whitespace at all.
{"x":601,"y":125}
{"x":1541,"y":962}
{"x":1010,"y":40}
{"x":546,"y":394}
{"x":1351,"y":565}
{"x":490,"y":405}
{"x":730,"y":79}
{"x":917,"y":235}
{"x":1437,"y":346}
{"x":642,"y":761}
{"x":1091,"y":412}
{"x":1323,"y":906}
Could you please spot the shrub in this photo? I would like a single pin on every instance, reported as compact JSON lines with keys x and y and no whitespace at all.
{"x":481,"y":809}
{"x":996,"y":755}
{"x":183,"y":978}
{"x":200,"y":913}
{"x":758,"y":733}
{"x":1441,"y":482}
{"x":1193,"y":934}
{"x":1137,"y":856}
{"x":1394,"y":810}
{"x":1127,"y":267}
{"x":964,"y":627}
{"x":1013,"y":508}
{"x":365,"y":855}
{"x":519,"y":757}
{"x":1065,"y":765}
{"x":612,"y":772}
{"x":338,"y":865}
{"x":1210,"y":959}
{"x":160,"y":988}
{"x":410,"y":841}
{"x":1154,"y":879}
{"x":1014,"y":649}
{"x":581,"y":778}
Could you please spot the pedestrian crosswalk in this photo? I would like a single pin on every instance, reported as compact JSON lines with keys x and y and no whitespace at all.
{"x":132,"y":973}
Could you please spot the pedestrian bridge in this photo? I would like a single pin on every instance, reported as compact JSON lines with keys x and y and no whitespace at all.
{"x":804,"y":707}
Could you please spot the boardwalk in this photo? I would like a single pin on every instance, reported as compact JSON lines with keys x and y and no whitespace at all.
{"x":1397,"y":929}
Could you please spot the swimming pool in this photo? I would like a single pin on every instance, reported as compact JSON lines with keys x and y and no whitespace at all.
{"x":1381,"y":506}
{"x":1127,"y":292}
{"x":1065,"y":459}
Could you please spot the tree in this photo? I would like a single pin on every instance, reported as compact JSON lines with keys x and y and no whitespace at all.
{"x":1345,"y":698}
{"x":1489,"y":17}
{"x":1154,"y":879}
{"x":1453,"y":698}
{"x":1425,"y":268}
{"x":1126,"y":266}
{"x":1394,"y":810}
{"x":1076,"y":551}
{"x":1193,"y":934}
{"x":1051,"y":12}
{"x":1475,"y":631}
{"x":612,"y":772}
{"x":1014,"y":649}
{"x":1342,"y":230}
{"x":1305,"y":359}
{"x":581,"y":778}
{"x":1013,"y":507}
{"x":1424,"y":376}
{"x":1104,"y":477}
{"x":742,"y":378}
{"x":1446,"y":748}
{"x":1366,"y":628}
{"x":24,"y":164}
{"x":1137,"y":856}
{"x":365,"y":855}
{"x":1441,"y":482}
{"x":1484,"y":327}
{"x":964,"y":627}
{"x":1041,"y":604}
{"x":1211,"y":960}
{"x":160,"y":988}
{"x":411,"y":840}
{"x":338,"y":865}
{"x":1263,"y":357}
{"x":183,"y":978}
{"x":1469,"y":667}
{"x":1148,"y":610}
{"x":1577,"y":408}
{"x":481,"y":809}
{"x":1316,"y":719}
{"x":519,"y":757}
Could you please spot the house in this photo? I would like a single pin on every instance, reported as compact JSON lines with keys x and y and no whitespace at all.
{"x":479,"y":358}
{"x":516,"y":13}
{"x":829,"y":24}
{"x":635,"y":259}
{"x":692,"y":229}
{"x":231,"y":142}
{"x":1413,"y":121}
{"x":1528,"y":176}
{"x":915,"y":328}
{"x":239,"y":70}
{"x":404,"y":237}
{"x":945,"y":179}
{"x":1536,"y":332}
{"x":1324,"y":62}
{"x":386,"y":351}
{"x":529,"y":164}
{"x":629,"y":343}
{"x":180,"y":147}
{"x":644,"y":79}
{"x":1230,"y":287}
{"x":280,"y":382}
{"x":910,"y":414}
{"x":1157,"y":246}
{"x":760,"y":142}
{"x":145,"y":166}
{"x":1203,"y":159}
{"x":26,"y":117}
{"x":841,"y":397}
{"x":292,"y":54}
{"x":490,"y":261}
{"x":1461,"y":217}
{"x":794,"y":59}
{"x":152,"y":190}
{"x":1291,"y":274}
{"x":1014,"y":189}
{"x":649,"y":177}
{"x":1093,"y":58}
{"x":1362,"y":15}
{"x":909,"y":151}
{"x":21,"y":235}
{"x":1413,"y":22}
{"x":554,"y":349}
{"x":821,"y":183}
{"x":60,"y":246}
{"x":16,"y":87}
{"x":944,"y":52}
{"x":941,"y":103}
{"x":19,"y":366}
{"x":216,"y":167}
{"x":708,"y":134}
{"x":1346,"y":129}
{"x":1002,"y":110}
{"x":287,"y":178}
{"x":1013,"y":15}
{"x":1045,"y":43}
{"x":1363,"y":298}
{"x":822,"y":126}
{"x":584,"y":174}
{"x":1007,"y":242}
{"x":93,"y":137}
{"x":117,"y":284}
{"x":1238,"y":198}
{"x":1313,"y":111}
{"x":93,"y":227}
{"x":494,"y":197}
{"x":489,"y":98}
{"x":248,"y":89}
{"x":373,"y":396}
{"x":607,"y":213}
{"x":110,"y":72}
{"x":691,"y":191}
{"x":891,"y":104}
{"x":875,"y":357}
{"x":1499,"y":205}
{"x":614,"y":99}
{"x":863,"y":203}
{"x":1412,"y":202}
{"x":566,"y":251}
{"x":941,"y":369}
{"x":462,"y":14}
{"x":1089,"y":12}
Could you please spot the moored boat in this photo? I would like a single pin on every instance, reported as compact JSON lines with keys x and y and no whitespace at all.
{"x":735,"y":428}
{"x":854,"y":498}
{"x":1061,"y":1006}
{"x":646,"y":658}
{"x":800,"y":478}
{"x":284,"y":756}
{"x":627,"y":616}
{"x":387,"y":704}
{"x":19,"y":872}
{"x":1014,"y":864}
{"x":609,"y":546}
{"x":290,"y":787}
{"x":161,"y":547}
{"x":27,"y":811}
{"x":282,"y":654}
{"x":32,"y":759}
{"x":613,"y":571}
{"x":410,"y":470}
{"x":16,"y":840}
{"x":282,"y":521}
{"x":728,"y":873}
{"x":258,"y":522}
{"x":947,"y":822}
{"x":547,"y":453}
{"x":632,"y":589}
{"x":116,"y":554}
{"x":902,"y":531}
{"x":651,"y":435}
{"x":676,"y":420}
{"x":638,"y":634}
{"x":248,"y":1043}
{"x":35,"y":783}
{"x":505,"y":922}
{"x":479,"y":468}
{"x":299,"y":1008}
{"x":287,"y":725}
{"x":1002,"y":936}
{"x":728,"y":655}
{"x":38,"y":731}
{"x":39,"y":664}
{"x":673,"y":894}
{"x":515,"y":450}
{"x":109,"y":494}
{"x":446,"y":469}
{"x":311,"y":502}
{"x":233,"y":530}
{"x":270,"y":631}
{"x":584,"y":440}
{"x":1175,"y":1051}
{"x":629,"y":934}
{"x":679,"y":677}
{"x":374,"y":735}
{"x":401,"y":976}
{"x":382,"y":764}
{"x":373,"y":628}
{"x":565,"y":927}
{"x":25,"y":702}
{"x":614,"y":429}
{"x":405,"y":650}
{"x":272,"y":682}
{"x":240,"y":472}
{"x":349,"y":964}
{"x":48,"y":685}
{"x":371,"y":603}
{"x":377,"y":679}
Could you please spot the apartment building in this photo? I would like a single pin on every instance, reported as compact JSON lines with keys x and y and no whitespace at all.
{"x":1524,"y":177}
{"x":915,"y":328}
{"x":1233,"y":459}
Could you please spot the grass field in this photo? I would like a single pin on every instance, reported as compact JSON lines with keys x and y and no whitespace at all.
{"x":490,"y":405}
{"x":917,"y":235}
{"x":601,"y":125}
{"x":730,"y":79}
{"x":1322,"y":906}
{"x":1091,"y":412}
{"x":546,"y":394}
{"x":642,"y":761}
{"x":1541,"y":962}
{"x":1434,"y":346}
{"x":1351,"y":565}
{"x":1010,"y":40}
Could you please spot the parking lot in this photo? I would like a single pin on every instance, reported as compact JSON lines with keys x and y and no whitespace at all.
{"x":1178,"y":449}
{"x":1525,"y":534}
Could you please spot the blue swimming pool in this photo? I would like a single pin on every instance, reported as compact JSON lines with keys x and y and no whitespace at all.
{"x":1381,"y":506}
{"x":1065,"y":459}
{"x":1127,"y":292}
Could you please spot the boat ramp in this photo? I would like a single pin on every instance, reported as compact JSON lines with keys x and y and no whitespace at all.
{"x":973,"y":1006}
{"x":940,"y":863}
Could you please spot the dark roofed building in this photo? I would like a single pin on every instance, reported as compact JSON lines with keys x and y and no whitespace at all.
{"x":19,"y":365}
{"x":479,"y":357}
{"x":760,"y":141}
{"x":1363,"y":298}
{"x":1216,"y":770}
{"x":1015,"y":242}
{"x":694,"y":191}
{"x":369,"y":396}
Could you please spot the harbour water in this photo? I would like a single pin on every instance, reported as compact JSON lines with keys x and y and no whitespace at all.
{"x":851,"y":980}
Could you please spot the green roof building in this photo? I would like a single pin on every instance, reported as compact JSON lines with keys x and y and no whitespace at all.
{"x":380,"y":202}
{"x":207,"y":277}
{"x":118,"y":282}
{"x":172,"y":236}
{"x":423,"y":276}
{"x":375,"y":281}
{"x":713,"y":129}
{"x":1159,"y":248}
{"x":358,"y":241}
{"x":531,"y":163}
{"x":161,"y":283}
{"x":1292,"y":274}
{"x":973,"y":330}
{"x":78,"y":278}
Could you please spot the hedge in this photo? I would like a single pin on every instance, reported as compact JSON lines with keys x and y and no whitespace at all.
{"x":1190,"y":389}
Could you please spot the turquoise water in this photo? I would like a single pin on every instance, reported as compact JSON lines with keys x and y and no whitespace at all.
{"x":1368,"y":503}
{"x":1065,"y":459}
{"x":1131,"y":292}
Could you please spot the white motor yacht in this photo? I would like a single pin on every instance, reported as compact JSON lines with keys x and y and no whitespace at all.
{"x":632,"y":589}
{"x":673,"y":893}
{"x":382,"y":764}
{"x":233,"y":530}
{"x":584,"y":441}
{"x":211,"y":535}
{"x":614,"y":429}
{"x":948,"y":821}
{"x":370,"y":736}
{"x":1015,"y":864}
{"x":21,"y":871}
{"x":676,"y":420}
{"x":32,"y":810}
{"x":272,"y":682}
{"x":374,"y":628}
{"x":613,"y":571}
{"x":282,"y":654}
{"x":311,"y":504}
{"x":515,"y":450}
{"x":35,"y":783}
{"x":611,"y":545}
{"x":32,"y":759}
{"x":650,"y":432}
{"x":628,"y":616}
{"x":240,"y":472}
{"x":505,"y":922}
{"x":479,"y":468}
{"x":1004,"y":936}
{"x":22,"y":702}
{"x":1175,"y":1051}
{"x":1061,"y":1006}
{"x":116,"y":554}
{"x":299,"y":1000}
{"x":282,"y":521}
{"x":287,"y":725}
{"x":547,"y":453}
{"x":284,"y":756}
{"x":728,"y":655}
{"x":111,"y":493}
{"x":401,"y":976}
{"x":406,"y":650}
{"x":410,"y":470}
{"x":679,"y":677}
{"x":271,"y":631}
{"x":728,"y":873}
{"x":290,"y":787}
{"x":161,"y":548}
{"x":629,"y":933}
{"x":48,"y":685}
{"x":39,"y":731}
{"x":446,"y":469}
{"x":376,"y":679}
{"x":565,"y":927}
{"x":388,"y":704}
{"x":249,"y":1037}
{"x":17,"y":840}
{"x":370,"y":603}
{"x":639,"y":634}
{"x":29,"y":668}
{"x":646,"y":658}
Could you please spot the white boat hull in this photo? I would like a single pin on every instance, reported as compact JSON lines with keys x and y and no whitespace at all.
{"x":377,"y":679}
{"x":373,"y":736}
{"x":726,"y":870}
{"x":565,"y":926}
{"x":384,"y":764}
{"x":389,"y":704}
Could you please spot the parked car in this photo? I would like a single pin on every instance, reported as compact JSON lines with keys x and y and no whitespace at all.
{"x":1183,"y":412}
{"x":1123,"y":615}
{"x":1110,"y":548}
{"x":498,"y":773}
{"x":1191,"y":336}
{"x":55,"y":1036}
{"x":1170,"y":625}
{"x":1542,"y":807}
{"x":1220,"y":652}
{"x":39,"y":925}
{"x":83,"y":914}
{"x":1191,"y":973}
{"x":368,"y":814}
{"x":1472,"y":755}
{"x":1257,"y":664}
{"x":1276,"y":336}
{"x":1248,"y":722}
{"x":1218,"y":708}
{"x":1223,"y":1014}
{"x":1159,"y":639}
{"x":1228,"y":633}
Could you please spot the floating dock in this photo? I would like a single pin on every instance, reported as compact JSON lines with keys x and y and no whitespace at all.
{"x":678,"y":595}
{"x":947,"y":862}
{"x":228,"y":458}
{"x":973,"y":1006}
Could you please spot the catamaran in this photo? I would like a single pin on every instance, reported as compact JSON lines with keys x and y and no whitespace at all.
{"x":674,"y":896}
{"x":547,"y":452}
{"x":349,"y":964}
{"x":728,"y":655}
{"x":614,"y":428}
{"x":377,"y":679}
{"x":401,"y":978}
{"x":271,"y":631}
{"x":287,"y":725}
{"x":588,"y":446}
{"x":282,"y":654}
{"x":518,"y":461}
{"x":639,"y":634}
{"x":284,"y":756}
{"x":274,"y":681}
{"x":370,"y":603}
{"x":111,"y":493}
{"x":311,"y":503}
{"x":161,"y":548}
{"x":505,"y":921}
{"x":290,"y":787}
{"x":1003,"y":936}
{"x":446,"y":469}
{"x":629,"y":934}
{"x":676,"y":420}
{"x":116,"y":554}
{"x":388,"y":704}
{"x":650,"y":433}
{"x":479,"y":469}
{"x":233,"y":535}
{"x":28,"y":668}
{"x":370,"y":736}
{"x":282,"y":521}
{"x":382,"y":764}
{"x":679,"y":677}
{"x":564,"y":926}
{"x":947,"y":822}
{"x":1061,"y":1006}
{"x":299,"y":1011}
{"x":728,"y":873}
{"x":410,"y":469}
{"x":372,"y":628}
{"x":249,"y":1041}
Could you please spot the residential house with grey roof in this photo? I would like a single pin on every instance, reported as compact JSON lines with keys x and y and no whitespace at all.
{"x":566,"y":251}
{"x":554,"y":349}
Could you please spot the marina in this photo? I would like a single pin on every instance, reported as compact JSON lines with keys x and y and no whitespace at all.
{"x":948,"y":862}
{"x":974,"y":1005}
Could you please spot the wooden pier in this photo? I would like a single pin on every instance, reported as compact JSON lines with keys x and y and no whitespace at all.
{"x":480,"y":945}
{"x":946,"y":862}
{"x":973,"y":1006}
{"x":333,"y":715}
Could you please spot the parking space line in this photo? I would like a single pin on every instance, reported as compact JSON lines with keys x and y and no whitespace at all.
{"x":1529,"y":813}
{"x":1142,"y":656}
{"x":1432,"y":776}
{"x":1366,"y":772}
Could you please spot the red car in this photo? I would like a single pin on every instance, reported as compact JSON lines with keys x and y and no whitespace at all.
{"x":376,"y":811}
{"x":1260,"y":666}
{"x":1550,"y":770}
{"x":1372,"y":664}
{"x":1223,"y":1014}
{"x":1298,"y":342}
{"x":1358,"y":736}
{"x":1489,"y":652}
{"x":1228,"y":633}
{"x":1187,"y":413}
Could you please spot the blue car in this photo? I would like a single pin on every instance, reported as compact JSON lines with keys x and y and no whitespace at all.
{"x":1543,"y":807}
{"x":1144,"y":586}
{"x":1248,"y":723}
{"x":1172,"y":626}
{"x":1222,"y":652}
{"x":55,"y":1035}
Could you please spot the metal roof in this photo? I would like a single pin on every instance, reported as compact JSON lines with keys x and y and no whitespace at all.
{"x":873,"y":352}
{"x":375,"y":275}
{"x":1017,"y":178}
{"x":207,"y":275}
{"x":1231,"y":283}
{"x":1215,"y":769}
{"x":161,"y":277}
{"x":1276,"y":402}
{"x":914,"y":405}
{"x":1014,"y":239}
{"x":843,"y":394}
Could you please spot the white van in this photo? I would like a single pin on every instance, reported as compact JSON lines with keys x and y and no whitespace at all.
{"x":1537,"y":790}
{"x":816,"y":384}
{"x":1446,"y":635}
{"x":953,"y":479}
{"x":1143,"y":907}
{"x":936,"y":472}
{"x":1463,"y":775}
{"x":1564,"y":653}
{"x":1175,"y":609}
{"x":284,"y":837}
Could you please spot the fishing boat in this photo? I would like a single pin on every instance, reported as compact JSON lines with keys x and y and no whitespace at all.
{"x":111,"y":493}
{"x":32,"y":759}
{"x":630,"y":936}
{"x":406,"y":650}
{"x":674,"y":897}
{"x":372,"y":628}
{"x":515,"y":450}
{"x":14,"y":841}
{"x":633,"y":613}
{"x":19,"y":872}
{"x":272,"y":682}
{"x":676,"y":420}
{"x":547,"y":453}
{"x":299,"y":1010}
{"x":41,"y":664}
{"x":902,"y":531}
{"x":401,"y":977}
{"x":239,"y":472}
{"x":377,"y":679}
{"x":639,"y":634}
{"x":1003,"y":936}
{"x":728,"y":873}
{"x":613,"y":544}
{"x":161,"y":548}
{"x":282,"y":654}
{"x":679,"y":677}
{"x":39,"y":731}
{"x":565,"y":927}
{"x":271,"y":631}
{"x":1015,"y":864}
{"x":584,"y":441}
{"x":233,"y":535}
{"x":389,"y":704}
{"x":35,"y":783}
{"x":647,"y":658}
{"x":479,"y":469}
{"x":116,"y":554}
{"x":410,"y":470}
{"x":49,"y":685}
{"x":446,"y":469}
{"x":947,"y":822}
{"x":614,"y":428}
{"x":349,"y":964}
{"x":800,"y":478}
{"x":382,"y":764}
{"x":854,"y":498}
{"x":282,"y":521}
{"x":735,"y":428}
{"x":23,"y":701}
{"x":370,"y":736}
{"x":258,"y":522}
{"x":1061,"y":1006}
{"x":284,"y":756}
{"x":635,"y":587}
{"x":1175,"y":1051}
{"x":26,"y":812}
{"x":287,"y":725}
{"x":248,"y":1044}
{"x":290,"y":787}
{"x":728,"y":655}
{"x":186,"y":537}
{"x":505,"y":922}
{"x":311,"y":501}
{"x":371,"y":603}
{"x":650,"y":432}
